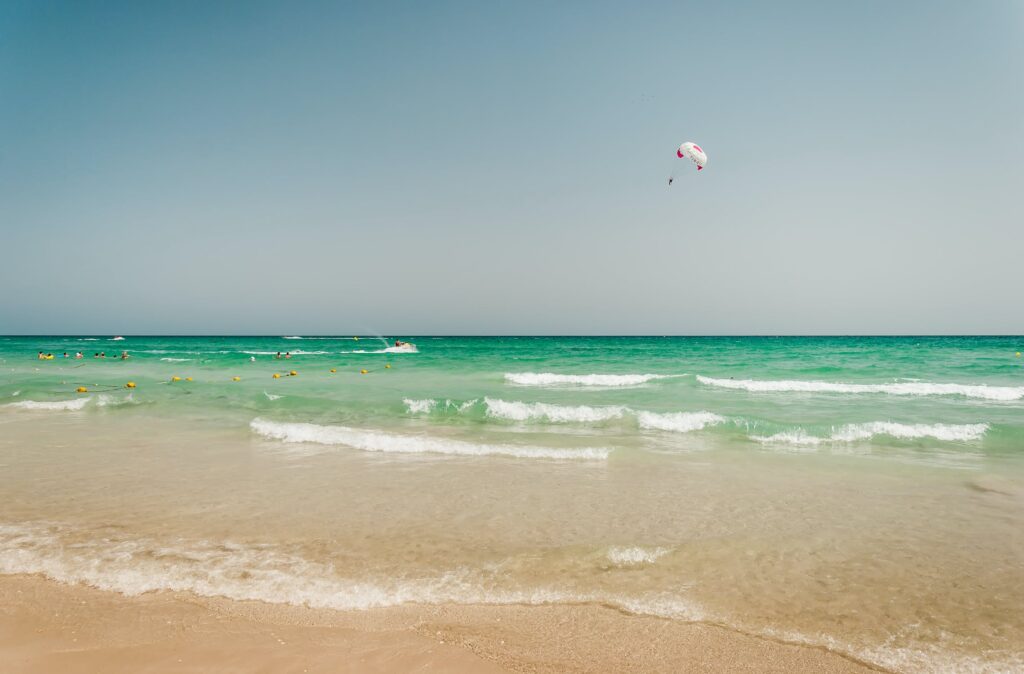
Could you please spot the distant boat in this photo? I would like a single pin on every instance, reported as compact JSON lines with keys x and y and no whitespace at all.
{"x":117,"y":339}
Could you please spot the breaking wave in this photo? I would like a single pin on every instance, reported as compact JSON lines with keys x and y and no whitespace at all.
{"x":380,"y":441}
{"x":134,"y":566}
{"x":56,"y":405}
{"x":866,"y":431}
{"x":678,"y":422}
{"x":514,"y":410}
{"x":984,"y":391}
{"x":602,"y":380}
{"x":519,"y":411}
{"x":420,"y":406}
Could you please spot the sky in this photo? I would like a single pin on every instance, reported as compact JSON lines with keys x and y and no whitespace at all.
{"x":502,"y":167}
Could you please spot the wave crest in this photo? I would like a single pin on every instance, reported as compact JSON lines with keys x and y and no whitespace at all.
{"x":56,"y":405}
{"x":984,"y":391}
{"x":604,"y":380}
{"x":678,"y":422}
{"x":380,"y":441}
{"x":520,"y":411}
{"x":866,"y":431}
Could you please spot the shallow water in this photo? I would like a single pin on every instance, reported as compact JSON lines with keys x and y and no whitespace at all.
{"x":864,"y":494}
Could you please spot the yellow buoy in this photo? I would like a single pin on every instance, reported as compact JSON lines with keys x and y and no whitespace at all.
{"x":363,"y":372}
{"x":333,"y":370}
{"x":82,"y":389}
{"x":293,"y":373}
{"x":1018,"y":354}
{"x":388,"y":366}
{"x":188,"y":378}
{"x":130,"y":384}
{"x":236,"y":379}
{"x":175,"y":378}
{"x":277,"y":376}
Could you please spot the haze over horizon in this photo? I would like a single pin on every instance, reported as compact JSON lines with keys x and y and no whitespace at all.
{"x":455,"y":168}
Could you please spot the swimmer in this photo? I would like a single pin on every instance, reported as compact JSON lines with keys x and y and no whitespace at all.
{"x":288,"y":354}
{"x":65,"y":354}
{"x":79,"y":356}
{"x":252,"y":359}
{"x":124,"y":355}
{"x":278,"y":356}
{"x":96,"y":355}
{"x":41,"y":356}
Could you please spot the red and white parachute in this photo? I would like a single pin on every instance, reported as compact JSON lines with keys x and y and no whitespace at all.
{"x":692,"y":152}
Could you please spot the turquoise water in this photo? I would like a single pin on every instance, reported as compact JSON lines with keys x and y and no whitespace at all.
{"x":865,"y":494}
{"x":960,"y":381}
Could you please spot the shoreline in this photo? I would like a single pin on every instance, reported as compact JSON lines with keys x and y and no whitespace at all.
{"x":49,"y":626}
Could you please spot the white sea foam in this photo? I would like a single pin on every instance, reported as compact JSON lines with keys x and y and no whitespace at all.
{"x":56,"y":405}
{"x":520,"y":411}
{"x":176,"y":360}
{"x":1003,"y":393}
{"x":678,"y":422}
{"x":105,"y":400}
{"x":271,"y":396}
{"x":16,"y":394}
{"x":635,"y":556}
{"x":419,"y":406}
{"x":866,"y":431}
{"x":798,"y":437}
{"x":134,"y":566}
{"x":563,"y":380}
{"x":380,"y":441}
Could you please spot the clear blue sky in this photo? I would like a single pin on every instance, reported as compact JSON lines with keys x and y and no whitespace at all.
{"x":485,"y":167}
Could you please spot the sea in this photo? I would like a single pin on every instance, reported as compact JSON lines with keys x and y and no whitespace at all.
{"x":859,"y":494}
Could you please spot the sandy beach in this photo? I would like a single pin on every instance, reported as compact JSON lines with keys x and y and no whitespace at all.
{"x":47,"y":627}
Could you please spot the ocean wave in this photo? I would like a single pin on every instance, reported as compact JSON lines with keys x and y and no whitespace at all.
{"x":272,"y":574}
{"x":380,"y":441}
{"x":678,"y":422}
{"x":1002,"y":393}
{"x":602,"y":380}
{"x":866,"y":431}
{"x":176,"y":360}
{"x":56,"y":405}
{"x":271,"y":396}
{"x":635,"y":556}
{"x":420,"y":406}
{"x":105,"y":400}
{"x":520,"y":411}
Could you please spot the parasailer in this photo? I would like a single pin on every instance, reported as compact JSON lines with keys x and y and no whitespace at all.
{"x":694,"y":153}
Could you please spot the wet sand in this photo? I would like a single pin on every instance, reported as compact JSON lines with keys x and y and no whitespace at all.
{"x":47,"y":627}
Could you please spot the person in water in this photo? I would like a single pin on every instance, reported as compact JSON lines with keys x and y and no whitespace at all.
{"x":278,"y":356}
{"x":41,"y":356}
{"x":124,"y":355}
{"x":79,"y":356}
{"x":65,"y":354}
{"x":288,"y":354}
